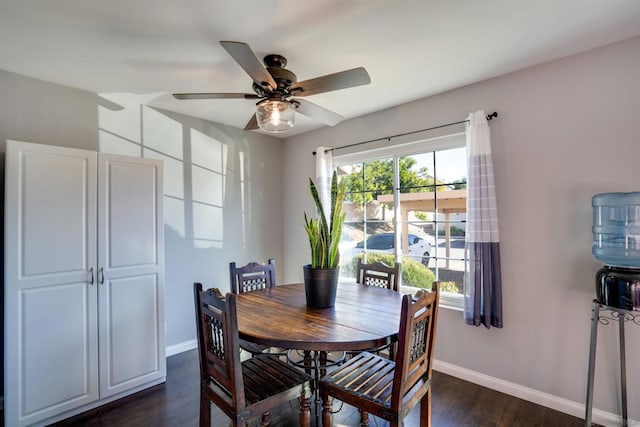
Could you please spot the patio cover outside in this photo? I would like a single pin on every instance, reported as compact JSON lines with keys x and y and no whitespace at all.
{"x":445,"y":202}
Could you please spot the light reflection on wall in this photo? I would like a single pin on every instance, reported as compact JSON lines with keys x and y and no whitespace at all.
{"x":197,"y":172}
{"x":162,"y":134}
{"x":207,"y":206}
{"x":243,"y":208}
{"x":209,"y":159}
{"x":174,"y":203}
{"x":140,"y":131}
{"x":120,"y":130}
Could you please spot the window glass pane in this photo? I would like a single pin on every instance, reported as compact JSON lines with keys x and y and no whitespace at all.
{"x":379,"y":205}
{"x":417,"y":244}
{"x":416,"y":173}
{"x":451,"y":279}
{"x":451,"y":167}
{"x":353,"y":203}
{"x":415,"y":273}
{"x":380,"y":237}
{"x":378,"y":175}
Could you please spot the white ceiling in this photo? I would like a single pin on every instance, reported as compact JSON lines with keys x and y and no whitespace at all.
{"x":411,"y":49}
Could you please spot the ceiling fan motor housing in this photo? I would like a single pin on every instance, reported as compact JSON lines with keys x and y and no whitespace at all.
{"x":284,"y":78}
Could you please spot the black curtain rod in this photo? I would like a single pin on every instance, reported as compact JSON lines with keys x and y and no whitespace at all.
{"x":388,"y":138}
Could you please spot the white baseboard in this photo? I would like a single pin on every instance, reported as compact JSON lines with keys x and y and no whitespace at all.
{"x":181,"y":347}
{"x":545,"y":399}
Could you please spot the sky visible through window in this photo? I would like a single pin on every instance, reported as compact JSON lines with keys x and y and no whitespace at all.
{"x":451,"y":164}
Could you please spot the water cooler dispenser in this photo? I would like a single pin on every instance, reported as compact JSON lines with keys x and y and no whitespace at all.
{"x":616,"y":242}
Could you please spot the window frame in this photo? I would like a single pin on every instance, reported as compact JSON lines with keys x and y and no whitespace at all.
{"x":438,"y":143}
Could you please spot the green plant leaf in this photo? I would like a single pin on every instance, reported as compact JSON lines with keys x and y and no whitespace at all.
{"x":324,"y":238}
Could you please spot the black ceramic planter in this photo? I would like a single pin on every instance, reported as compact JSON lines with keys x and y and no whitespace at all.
{"x":320,"y":285}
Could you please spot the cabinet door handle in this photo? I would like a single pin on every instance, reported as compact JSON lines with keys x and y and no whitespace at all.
{"x":91,"y":273}
{"x":101,"y":277}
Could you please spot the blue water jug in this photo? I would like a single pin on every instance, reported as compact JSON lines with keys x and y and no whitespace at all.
{"x":616,"y":229}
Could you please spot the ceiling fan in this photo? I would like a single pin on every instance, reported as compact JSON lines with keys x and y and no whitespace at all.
{"x":277,"y":90}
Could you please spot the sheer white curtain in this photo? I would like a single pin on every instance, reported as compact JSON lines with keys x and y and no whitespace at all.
{"x":483,"y":280}
{"x":324,"y":170}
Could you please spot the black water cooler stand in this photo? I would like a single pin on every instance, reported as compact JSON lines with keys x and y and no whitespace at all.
{"x":617,"y":300}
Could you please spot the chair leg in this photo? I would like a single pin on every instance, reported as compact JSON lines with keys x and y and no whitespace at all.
{"x":205,"y":411}
{"x":265,"y":419}
{"x":364,"y":418}
{"x":323,"y":364}
{"x":307,"y":362}
{"x":425,"y":410}
{"x":305,"y":411}
{"x":326,"y":409}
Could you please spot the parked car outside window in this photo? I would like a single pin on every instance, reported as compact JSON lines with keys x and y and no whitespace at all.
{"x":385,"y":242}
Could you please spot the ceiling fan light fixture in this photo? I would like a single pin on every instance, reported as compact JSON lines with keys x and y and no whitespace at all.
{"x":275,"y":115}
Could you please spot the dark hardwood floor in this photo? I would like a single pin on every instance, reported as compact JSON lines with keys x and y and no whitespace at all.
{"x":455,"y":403}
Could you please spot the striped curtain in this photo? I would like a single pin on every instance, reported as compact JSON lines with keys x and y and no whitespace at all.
{"x":483,"y":281}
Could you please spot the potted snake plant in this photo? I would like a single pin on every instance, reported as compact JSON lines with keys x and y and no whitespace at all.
{"x":321,"y":275}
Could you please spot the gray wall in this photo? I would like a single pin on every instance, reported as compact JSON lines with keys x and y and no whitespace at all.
{"x":223,"y":187}
{"x":567,"y":130}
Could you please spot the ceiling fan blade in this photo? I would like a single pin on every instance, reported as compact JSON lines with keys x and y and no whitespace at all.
{"x":315,"y":111}
{"x":252,"y":124}
{"x":340,"y":80}
{"x":214,"y":95}
{"x":249,"y":62}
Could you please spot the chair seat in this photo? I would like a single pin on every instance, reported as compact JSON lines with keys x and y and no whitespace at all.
{"x":266,"y":375}
{"x":367,"y":375}
{"x":388,"y":347}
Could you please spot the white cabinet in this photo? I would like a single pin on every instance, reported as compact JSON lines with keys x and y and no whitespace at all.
{"x":84,"y":280}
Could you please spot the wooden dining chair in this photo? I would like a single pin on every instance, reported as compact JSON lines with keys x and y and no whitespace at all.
{"x":242,"y":390}
{"x":251,"y":277}
{"x":382,"y":276}
{"x":378,"y":274}
{"x":386,"y":388}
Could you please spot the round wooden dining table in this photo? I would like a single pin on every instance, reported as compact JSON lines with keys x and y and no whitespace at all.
{"x":363,"y":317}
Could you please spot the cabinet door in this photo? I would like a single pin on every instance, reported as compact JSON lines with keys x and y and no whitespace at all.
{"x":51,"y":345}
{"x":130,"y":272}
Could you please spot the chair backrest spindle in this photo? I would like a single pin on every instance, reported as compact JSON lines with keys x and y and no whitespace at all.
{"x":378,"y":274}
{"x":252,"y":276}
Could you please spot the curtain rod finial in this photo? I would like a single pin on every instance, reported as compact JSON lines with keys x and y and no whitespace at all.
{"x":492,"y":115}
